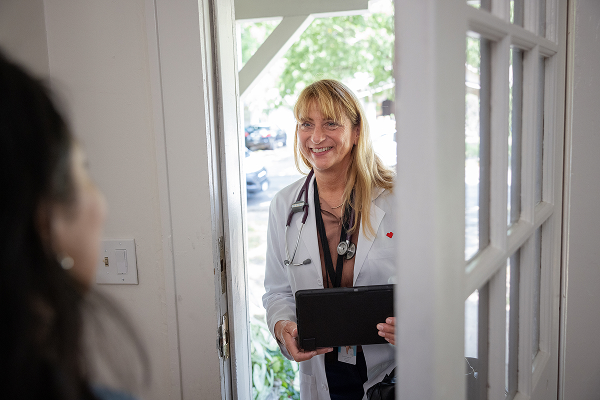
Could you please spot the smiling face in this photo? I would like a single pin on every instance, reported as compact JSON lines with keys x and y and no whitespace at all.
{"x":325,"y":142}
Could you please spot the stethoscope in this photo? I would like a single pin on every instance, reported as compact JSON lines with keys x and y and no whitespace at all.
{"x":344,"y":248}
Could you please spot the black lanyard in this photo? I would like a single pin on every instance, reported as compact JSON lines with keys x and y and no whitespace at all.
{"x":334,"y":275}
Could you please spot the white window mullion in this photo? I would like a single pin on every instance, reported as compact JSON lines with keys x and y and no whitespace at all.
{"x":482,"y":268}
{"x":501,"y":9}
{"x":553,"y":13}
{"x":495,"y":28}
{"x":543,"y":211}
{"x":531,"y":21}
{"x":518,"y":234}
{"x":546,"y":300}
{"x":529,"y":123}
{"x":499,"y":142}
{"x":552,"y":117}
{"x":539,"y":129}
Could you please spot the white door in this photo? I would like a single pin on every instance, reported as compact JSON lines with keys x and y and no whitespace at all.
{"x":236,"y":367}
{"x":195,"y":91}
{"x":480,"y":150}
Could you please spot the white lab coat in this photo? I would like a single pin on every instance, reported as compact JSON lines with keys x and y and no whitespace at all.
{"x":374,"y":265}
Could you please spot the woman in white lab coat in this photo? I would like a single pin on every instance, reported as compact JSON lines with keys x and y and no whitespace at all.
{"x":353,"y":189}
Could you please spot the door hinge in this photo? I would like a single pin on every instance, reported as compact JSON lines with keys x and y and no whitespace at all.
{"x":222,"y":265}
{"x":223,"y":337}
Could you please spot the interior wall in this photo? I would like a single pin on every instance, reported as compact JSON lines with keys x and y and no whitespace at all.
{"x":133,"y":107}
{"x":99,"y":64}
{"x":582,"y":349}
{"x":25,"y":42}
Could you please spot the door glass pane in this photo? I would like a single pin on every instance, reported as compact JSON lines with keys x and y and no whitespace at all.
{"x":476,"y":340}
{"x":537,"y":274}
{"x":477,"y":150}
{"x":512,"y":324}
{"x":482,"y":4}
{"x":514,"y":135}
{"x":539,"y":132}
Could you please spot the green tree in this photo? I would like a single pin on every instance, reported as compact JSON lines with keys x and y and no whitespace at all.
{"x":340,"y":48}
{"x":272,"y":373}
{"x":253,"y":35}
{"x":473,"y":52}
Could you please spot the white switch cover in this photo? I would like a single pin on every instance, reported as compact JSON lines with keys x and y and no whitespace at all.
{"x":117,"y":264}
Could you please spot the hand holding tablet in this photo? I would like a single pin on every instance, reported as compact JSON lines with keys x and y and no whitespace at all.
{"x":387,"y":330}
{"x":286,"y":333}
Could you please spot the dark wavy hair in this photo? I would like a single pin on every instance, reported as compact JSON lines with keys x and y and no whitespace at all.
{"x":41,"y":304}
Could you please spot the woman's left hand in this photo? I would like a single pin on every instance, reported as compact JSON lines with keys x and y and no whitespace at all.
{"x":387,"y":330}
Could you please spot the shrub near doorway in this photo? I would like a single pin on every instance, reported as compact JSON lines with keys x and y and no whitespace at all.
{"x":272,"y":374}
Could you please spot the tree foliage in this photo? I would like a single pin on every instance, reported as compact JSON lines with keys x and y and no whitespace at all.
{"x":253,"y":34}
{"x":343,"y":48}
{"x":273,"y":375}
{"x":473,"y":52}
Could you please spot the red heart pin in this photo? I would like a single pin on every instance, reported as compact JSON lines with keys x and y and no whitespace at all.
{"x":389,"y":234}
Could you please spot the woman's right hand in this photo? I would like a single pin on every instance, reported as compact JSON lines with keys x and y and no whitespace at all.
{"x":286,"y":332}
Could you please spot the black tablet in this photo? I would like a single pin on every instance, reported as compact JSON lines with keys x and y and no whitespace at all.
{"x":342,"y":316}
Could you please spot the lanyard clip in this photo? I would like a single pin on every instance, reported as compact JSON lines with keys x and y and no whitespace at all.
{"x":298,"y":206}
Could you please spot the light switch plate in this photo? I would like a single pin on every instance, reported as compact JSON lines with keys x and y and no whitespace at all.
{"x":117,"y":264}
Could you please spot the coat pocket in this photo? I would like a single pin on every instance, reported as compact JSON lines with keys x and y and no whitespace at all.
{"x":382,"y":266}
{"x":308,"y":387}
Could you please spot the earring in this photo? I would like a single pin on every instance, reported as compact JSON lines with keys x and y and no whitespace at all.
{"x":65,"y":261}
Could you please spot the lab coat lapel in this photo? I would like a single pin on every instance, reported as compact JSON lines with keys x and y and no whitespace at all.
{"x":364,"y":244}
{"x":309,"y":234}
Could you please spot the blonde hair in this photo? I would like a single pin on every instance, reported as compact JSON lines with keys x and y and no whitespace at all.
{"x":366,"y":170}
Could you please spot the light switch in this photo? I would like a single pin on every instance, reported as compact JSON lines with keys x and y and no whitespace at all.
{"x":117,"y":262}
{"x":121,"y":256}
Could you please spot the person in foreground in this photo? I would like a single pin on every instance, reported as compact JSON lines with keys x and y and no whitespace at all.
{"x":52,"y":217}
{"x":348,"y":194}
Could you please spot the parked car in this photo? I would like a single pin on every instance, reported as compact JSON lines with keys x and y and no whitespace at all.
{"x":264,"y":137}
{"x":256,"y":173}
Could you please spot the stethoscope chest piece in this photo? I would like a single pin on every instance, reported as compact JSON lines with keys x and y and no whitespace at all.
{"x":351,"y":251}
{"x":346,"y":248}
{"x":342,"y":248}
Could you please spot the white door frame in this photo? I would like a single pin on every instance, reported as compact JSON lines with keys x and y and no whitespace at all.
{"x":430,"y":196}
{"x":198,"y":133}
{"x":233,"y":196}
{"x":191,"y":52}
